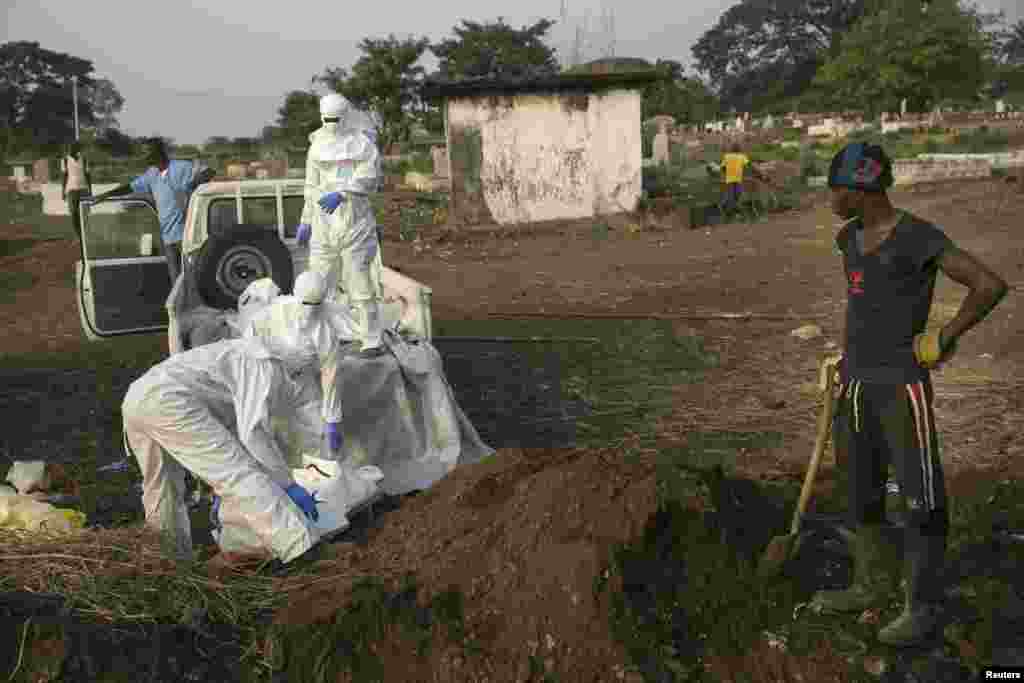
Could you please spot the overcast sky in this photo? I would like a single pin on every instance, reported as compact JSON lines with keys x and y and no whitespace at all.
{"x":189,"y":71}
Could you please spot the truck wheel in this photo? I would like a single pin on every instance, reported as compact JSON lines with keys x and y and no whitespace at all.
{"x":228,"y":264}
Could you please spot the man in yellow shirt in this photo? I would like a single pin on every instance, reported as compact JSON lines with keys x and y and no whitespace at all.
{"x":733,"y":163}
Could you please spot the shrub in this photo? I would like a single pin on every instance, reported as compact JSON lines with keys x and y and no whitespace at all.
{"x":810,"y":164}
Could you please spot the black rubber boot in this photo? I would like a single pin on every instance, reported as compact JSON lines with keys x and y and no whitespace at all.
{"x":874,"y":575}
{"x":924,"y":559}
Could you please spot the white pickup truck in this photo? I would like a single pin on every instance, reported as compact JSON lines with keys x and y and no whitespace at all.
{"x":235,"y":232}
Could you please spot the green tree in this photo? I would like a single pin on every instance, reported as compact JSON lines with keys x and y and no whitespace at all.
{"x":297,"y":117}
{"x":495,"y":49}
{"x":687,"y":99}
{"x":36,"y":101}
{"x":761,"y":51}
{"x":1012,"y":48}
{"x":385,"y":80}
{"x":902,"y":52}
{"x":106,"y":103}
{"x":115,"y":143}
{"x":186,"y":152}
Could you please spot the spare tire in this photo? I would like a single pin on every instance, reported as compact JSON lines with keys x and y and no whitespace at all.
{"x":229,"y":263}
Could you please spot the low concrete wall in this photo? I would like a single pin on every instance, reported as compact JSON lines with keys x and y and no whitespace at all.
{"x":998,"y":160}
{"x":913,"y":171}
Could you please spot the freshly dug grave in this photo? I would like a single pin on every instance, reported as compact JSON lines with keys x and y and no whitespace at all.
{"x":524,"y":537}
{"x":534,"y":564}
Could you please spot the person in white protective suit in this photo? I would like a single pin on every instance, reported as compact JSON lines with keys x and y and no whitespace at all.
{"x":342,"y":170}
{"x":294,"y":329}
{"x":185,"y":413}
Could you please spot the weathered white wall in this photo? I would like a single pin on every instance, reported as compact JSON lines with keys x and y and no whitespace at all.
{"x":548,"y":157}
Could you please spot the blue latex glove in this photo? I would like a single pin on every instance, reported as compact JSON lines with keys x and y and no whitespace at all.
{"x":215,"y":513}
{"x":334,"y":436}
{"x":303,"y":234}
{"x":331,"y":201}
{"x":306,"y":502}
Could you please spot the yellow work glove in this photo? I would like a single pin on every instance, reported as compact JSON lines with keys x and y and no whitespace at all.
{"x":928,"y":349}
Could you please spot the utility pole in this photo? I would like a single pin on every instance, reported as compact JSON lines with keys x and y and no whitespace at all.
{"x":74,"y":96}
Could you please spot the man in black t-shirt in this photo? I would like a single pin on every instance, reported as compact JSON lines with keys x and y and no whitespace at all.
{"x":891,"y":259}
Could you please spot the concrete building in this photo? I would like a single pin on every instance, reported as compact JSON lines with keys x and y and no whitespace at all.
{"x":543,"y":147}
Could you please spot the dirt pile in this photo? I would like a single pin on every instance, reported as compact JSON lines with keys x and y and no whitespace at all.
{"x":525,"y":537}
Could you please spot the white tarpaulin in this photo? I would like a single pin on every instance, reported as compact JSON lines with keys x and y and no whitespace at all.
{"x":403,"y":429}
{"x":403,"y":432}
{"x":400,"y":413}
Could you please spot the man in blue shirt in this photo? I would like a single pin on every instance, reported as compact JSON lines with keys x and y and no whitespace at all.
{"x":171,"y":183}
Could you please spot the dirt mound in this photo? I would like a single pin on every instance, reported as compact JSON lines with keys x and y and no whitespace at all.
{"x":525,"y":536}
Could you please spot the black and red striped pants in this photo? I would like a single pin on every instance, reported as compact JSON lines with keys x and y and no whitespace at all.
{"x":881,"y":424}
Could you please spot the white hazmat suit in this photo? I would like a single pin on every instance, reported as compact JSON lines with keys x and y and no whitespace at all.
{"x":344,"y":247}
{"x":295,"y":331}
{"x":185,"y":412}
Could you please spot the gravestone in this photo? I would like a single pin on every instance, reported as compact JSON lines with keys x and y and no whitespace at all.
{"x":440,"y":156}
{"x":661,"y":147}
{"x":41,"y":171}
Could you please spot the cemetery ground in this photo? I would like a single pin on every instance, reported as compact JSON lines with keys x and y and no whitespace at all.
{"x":618,"y":557}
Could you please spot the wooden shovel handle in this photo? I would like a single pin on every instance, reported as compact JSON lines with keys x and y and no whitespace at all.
{"x":820,"y":441}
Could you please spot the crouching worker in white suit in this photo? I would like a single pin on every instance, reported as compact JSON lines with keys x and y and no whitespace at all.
{"x":185,"y":412}
{"x":294,"y":329}
{"x":342,"y":170}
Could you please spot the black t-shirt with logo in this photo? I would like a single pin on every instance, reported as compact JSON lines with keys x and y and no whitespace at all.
{"x":889,"y":298}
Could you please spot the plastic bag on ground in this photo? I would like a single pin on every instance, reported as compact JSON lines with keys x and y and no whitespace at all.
{"x":342,"y":488}
{"x":42,"y":480}
{"x":29,"y":475}
{"x":24,"y":512}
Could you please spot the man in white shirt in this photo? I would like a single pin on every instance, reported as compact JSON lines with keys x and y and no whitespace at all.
{"x":76,"y":183}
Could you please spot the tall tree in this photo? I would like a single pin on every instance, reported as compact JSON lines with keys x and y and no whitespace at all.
{"x":495,"y":48}
{"x":115,"y":143}
{"x":36,"y":91}
{"x":901,"y":52}
{"x":297,"y":117}
{"x":762,"y":50}
{"x":686,"y":99}
{"x":385,"y":80}
{"x":106,"y":103}
{"x":1013,"y":45}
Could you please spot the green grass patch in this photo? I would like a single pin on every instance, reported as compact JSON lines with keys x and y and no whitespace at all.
{"x":319,"y":653}
{"x":418,"y":162}
{"x":691,"y":593}
{"x":688,"y":596}
{"x":12,"y":282}
{"x":626,"y":378}
{"x":96,"y":373}
{"x":414,"y":218}
{"x":27,"y":210}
